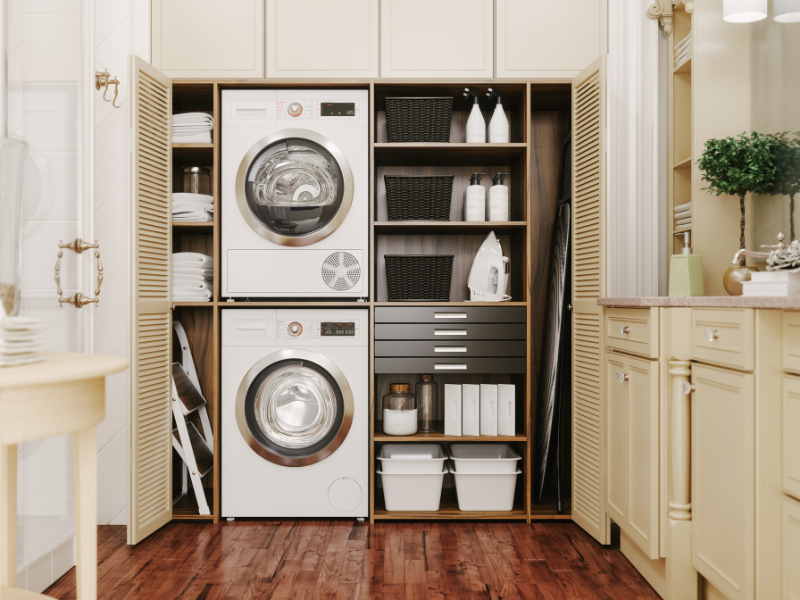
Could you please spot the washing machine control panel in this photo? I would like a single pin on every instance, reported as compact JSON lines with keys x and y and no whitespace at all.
{"x":317,"y":329}
{"x":317,"y":109}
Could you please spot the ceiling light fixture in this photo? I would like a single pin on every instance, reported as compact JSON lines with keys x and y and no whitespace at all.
{"x":744,"y":11}
{"x":787,"y":11}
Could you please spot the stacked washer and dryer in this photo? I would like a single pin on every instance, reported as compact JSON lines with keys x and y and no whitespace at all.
{"x":295,"y":226}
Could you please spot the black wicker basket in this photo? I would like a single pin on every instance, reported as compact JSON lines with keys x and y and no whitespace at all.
{"x":418,"y":197}
{"x":419,"y":119}
{"x":419,"y":277}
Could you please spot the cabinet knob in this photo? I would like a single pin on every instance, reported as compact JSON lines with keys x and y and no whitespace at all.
{"x":688,"y":388}
{"x":621,"y":377}
{"x":711,"y":334}
{"x":624,"y":330}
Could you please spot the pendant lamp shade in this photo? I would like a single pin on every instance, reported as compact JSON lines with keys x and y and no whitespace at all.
{"x":787,"y":11}
{"x":744,"y":11}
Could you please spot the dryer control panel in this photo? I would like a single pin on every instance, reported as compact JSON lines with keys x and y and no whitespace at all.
{"x":304,"y":329}
{"x":332,"y":110}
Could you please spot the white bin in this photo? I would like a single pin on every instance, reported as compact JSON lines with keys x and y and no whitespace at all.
{"x":412,"y":458}
{"x":485,"y":491}
{"x":484,"y":458}
{"x":419,"y":492}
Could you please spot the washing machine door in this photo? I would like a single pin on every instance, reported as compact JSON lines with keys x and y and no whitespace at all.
{"x":294,"y":408}
{"x":294,"y":187}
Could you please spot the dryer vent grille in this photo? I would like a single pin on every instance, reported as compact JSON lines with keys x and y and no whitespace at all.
{"x":341,"y":271}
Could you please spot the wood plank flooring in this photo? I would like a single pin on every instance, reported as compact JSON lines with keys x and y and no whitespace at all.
{"x":343,"y":559}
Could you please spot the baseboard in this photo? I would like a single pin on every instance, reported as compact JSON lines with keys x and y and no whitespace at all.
{"x":654,"y":571}
{"x":40,"y":574}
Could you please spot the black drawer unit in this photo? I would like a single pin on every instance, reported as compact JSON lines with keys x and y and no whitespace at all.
{"x":449,"y":331}
{"x":450,"y":349}
{"x":448,"y":314}
{"x":451,"y":365}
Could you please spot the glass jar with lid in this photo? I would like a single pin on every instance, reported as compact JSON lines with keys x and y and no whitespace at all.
{"x":400,"y":410}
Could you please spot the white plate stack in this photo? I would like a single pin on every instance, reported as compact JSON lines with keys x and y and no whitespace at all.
{"x":683,"y":217}
{"x":22,"y":340}
{"x":486,"y":476}
{"x":412,"y":476}
{"x":192,"y":277}
{"x":192,"y":207}
{"x":192,"y":128}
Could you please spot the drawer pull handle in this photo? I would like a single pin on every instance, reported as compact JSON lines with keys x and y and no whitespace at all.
{"x":711,"y":334}
{"x":449,"y":315}
{"x":452,"y":367}
{"x":624,"y":330}
{"x":449,"y":332}
{"x":688,"y":388}
{"x":449,"y":348}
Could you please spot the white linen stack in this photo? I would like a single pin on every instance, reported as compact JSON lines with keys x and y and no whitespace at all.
{"x":22,"y":339}
{"x":192,"y":128}
{"x":683,"y":50}
{"x":683,"y":217}
{"x":192,"y":207}
{"x":192,"y":277}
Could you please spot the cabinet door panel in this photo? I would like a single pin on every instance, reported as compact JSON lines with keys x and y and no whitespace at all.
{"x":437,"y":38}
{"x":791,"y":549}
{"x":344,"y":34}
{"x":723,"y":479}
{"x":791,"y":435}
{"x":541,"y":38}
{"x":617,"y":502}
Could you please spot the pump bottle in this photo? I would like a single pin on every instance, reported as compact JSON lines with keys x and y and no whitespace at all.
{"x":686,"y":271}
{"x":498,"y":126}
{"x":497,"y":206}
{"x":476,"y":125}
{"x":475,"y":199}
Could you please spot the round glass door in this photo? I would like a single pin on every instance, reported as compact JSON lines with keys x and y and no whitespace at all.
{"x":294,"y":408}
{"x":294,"y":187}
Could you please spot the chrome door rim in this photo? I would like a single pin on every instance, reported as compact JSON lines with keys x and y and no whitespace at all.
{"x":347,"y":398}
{"x":330,"y":226}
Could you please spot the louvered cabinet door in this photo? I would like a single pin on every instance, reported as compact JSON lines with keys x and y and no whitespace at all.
{"x":150,"y":426}
{"x":588,"y":284}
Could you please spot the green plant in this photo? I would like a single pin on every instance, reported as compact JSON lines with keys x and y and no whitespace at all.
{"x":786,"y":159}
{"x":738,"y":165}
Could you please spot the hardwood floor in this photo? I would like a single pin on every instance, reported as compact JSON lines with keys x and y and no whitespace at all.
{"x":342,"y":559}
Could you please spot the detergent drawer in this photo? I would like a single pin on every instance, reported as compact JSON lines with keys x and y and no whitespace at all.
{"x":450,"y":348}
{"x":451,"y":365}
{"x":451,"y":314}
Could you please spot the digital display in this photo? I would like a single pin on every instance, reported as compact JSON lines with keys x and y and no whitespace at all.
{"x":338,"y":329}
{"x":338,"y":109}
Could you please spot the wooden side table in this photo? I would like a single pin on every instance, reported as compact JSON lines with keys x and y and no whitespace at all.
{"x":65,"y":394}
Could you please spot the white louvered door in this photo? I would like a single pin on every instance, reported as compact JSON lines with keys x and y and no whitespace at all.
{"x":588,"y":284}
{"x":150,"y":428}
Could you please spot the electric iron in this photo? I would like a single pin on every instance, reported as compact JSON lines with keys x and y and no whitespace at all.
{"x":488,"y":276}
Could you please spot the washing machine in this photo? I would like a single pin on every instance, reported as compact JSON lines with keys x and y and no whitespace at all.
{"x":295,"y":193}
{"x":295,"y":413}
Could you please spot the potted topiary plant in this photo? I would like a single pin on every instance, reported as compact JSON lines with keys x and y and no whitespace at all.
{"x":737,"y":166}
{"x":786,"y":159}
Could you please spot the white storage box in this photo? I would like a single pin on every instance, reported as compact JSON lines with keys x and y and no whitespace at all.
{"x":506,"y":409}
{"x":488,"y":409}
{"x":471,"y":409}
{"x":412,"y":491}
{"x":484,"y":458}
{"x":412,"y":458}
{"x":485,"y":491}
{"x":452,"y":409}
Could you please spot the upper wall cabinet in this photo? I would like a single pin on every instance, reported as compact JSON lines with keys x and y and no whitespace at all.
{"x":547,"y":39}
{"x":320,"y":38}
{"x":437,"y":38}
{"x":209,"y":38}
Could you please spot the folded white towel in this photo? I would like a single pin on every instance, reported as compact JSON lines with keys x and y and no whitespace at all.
{"x":683,"y":215}
{"x":182,"y":207}
{"x":190,"y":299}
{"x":180,"y":278}
{"x":190,"y":271}
{"x":195,"y":138}
{"x":683,"y":227}
{"x":189,"y":130}
{"x":682,"y":207}
{"x":203,"y":199}
{"x":684,"y":221}
{"x":191,"y":217}
{"x":185,"y":292}
{"x":192,"y":117}
{"x":199,"y":286}
{"x":192,"y":259}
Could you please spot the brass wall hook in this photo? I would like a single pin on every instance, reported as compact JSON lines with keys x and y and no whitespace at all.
{"x":103,"y":79}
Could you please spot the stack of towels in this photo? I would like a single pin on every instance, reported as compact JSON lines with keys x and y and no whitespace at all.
{"x":683,"y":217}
{"x":192,"y":128}
{"x":192,"y":207}
{"x":192,"y":277}
{"x":683,"y":50}
{"x":22,"y":339}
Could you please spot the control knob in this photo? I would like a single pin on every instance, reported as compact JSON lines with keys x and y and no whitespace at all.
{"x":295,"y":109}
{"x":295,"y":329}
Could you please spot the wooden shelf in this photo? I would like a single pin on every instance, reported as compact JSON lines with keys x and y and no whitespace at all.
{"x":446,"y":227}
{"x":193,"y":146}
{"x":416,"y":154}
{"x":686,"y":67}
{"x":686,"y":163}
{"x":185,"y":509}
{"x":439,"y":436}
{"x":194,"y":226}
{"x":209,"y":304}
{"x":546,"y":510}
{"x":448,"y":510}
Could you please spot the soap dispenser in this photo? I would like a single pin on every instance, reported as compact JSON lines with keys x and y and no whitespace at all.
{"x":686,"y":271}
{"x":476,"y":125}
{"x":497,"y":206}
{"x":498,"y":126}
{"x":475,"y":199}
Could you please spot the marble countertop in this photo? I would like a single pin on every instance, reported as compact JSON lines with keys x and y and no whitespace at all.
{"x":779,"y":303}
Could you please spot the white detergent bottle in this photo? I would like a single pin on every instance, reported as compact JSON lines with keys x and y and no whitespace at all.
{"x":497,"y":206}
{"x":476,"y":124}
{"x":498,"y":126}
{"x":475,"y":199}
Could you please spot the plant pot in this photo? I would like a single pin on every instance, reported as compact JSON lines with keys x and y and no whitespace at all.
{"x":734,"y":277}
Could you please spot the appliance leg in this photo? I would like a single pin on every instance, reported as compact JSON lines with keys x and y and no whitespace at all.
{"x":231,"y":518}
{"x":360,"y":519}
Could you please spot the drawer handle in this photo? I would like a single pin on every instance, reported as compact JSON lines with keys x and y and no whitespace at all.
{"x":624,"y":330}
{"x":711,"y":334}
{"x":450,"y":367}
{"x":449,"y":348}
{"x":449,"y":315}
{"x":449,"y":332}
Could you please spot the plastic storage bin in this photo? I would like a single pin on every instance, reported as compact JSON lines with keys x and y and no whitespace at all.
{"x":484,"y":458}
{"x":419,"y":277}
{"x":485,"y":491}
{"x":418,"y":197}
{"x":418,"y":492}
{"x":412,"y":458}
{"x":419,"y":119}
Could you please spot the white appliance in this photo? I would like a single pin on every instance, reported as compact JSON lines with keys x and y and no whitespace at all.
{"x":295,"y":193}
{"x":488,"y":276}
{"x":295,"y":413}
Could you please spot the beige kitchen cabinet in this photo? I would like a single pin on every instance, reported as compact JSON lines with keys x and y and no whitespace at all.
{"x":791,"y":441}
{"x":723,"y":479}
{"x":208,"y":38}
{"x":632,"y":396}
{"x":546,"y":39}
{"x":791,"y":549}
{"x":438,"y":39}
{"x":345,"y":36}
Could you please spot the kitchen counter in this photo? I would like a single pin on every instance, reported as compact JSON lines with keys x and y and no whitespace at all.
{"x":778,"y":303}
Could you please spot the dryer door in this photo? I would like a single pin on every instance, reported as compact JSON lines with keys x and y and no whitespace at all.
{"x":294,"y":408}
{"x":294,"y":187}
